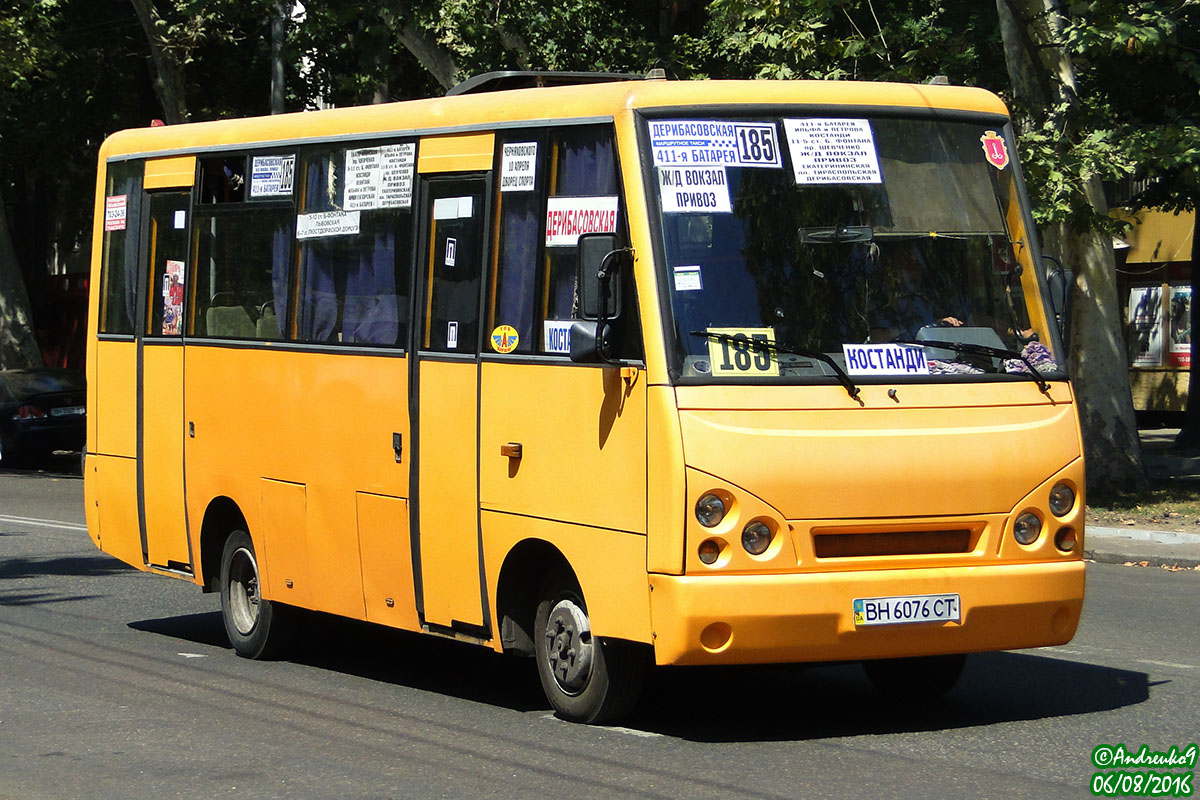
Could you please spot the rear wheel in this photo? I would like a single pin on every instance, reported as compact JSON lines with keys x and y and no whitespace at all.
{"x":915,"y":679}
{"x":585,"y":678}
{"x":257,"y":628}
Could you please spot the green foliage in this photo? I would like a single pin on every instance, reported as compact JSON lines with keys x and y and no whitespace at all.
{"x":1139,"y":64}
{"x":86,"y":61}
{"x":852,"y":39}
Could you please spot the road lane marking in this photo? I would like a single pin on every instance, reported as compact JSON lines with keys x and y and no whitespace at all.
{"x":1165,"y":663}
{"x":43,"y":523}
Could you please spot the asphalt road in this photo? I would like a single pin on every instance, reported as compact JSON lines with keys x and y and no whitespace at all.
{"x":119,"y":684}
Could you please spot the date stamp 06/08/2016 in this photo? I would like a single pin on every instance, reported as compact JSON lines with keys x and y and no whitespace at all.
{"x":1142,"y":772}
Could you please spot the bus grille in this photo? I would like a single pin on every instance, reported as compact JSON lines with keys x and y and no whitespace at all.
{"x":891,"y":543}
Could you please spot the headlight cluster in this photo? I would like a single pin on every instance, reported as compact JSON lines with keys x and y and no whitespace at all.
{"x":711,"y":510}
{"x":1027,"y":528}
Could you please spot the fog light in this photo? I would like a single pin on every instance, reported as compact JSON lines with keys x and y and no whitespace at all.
{"x":1065,"y":539}
{"x":710,"y":510}
{"x":1027,"y":528}
{"x":756,"y":538}
{"x":1062,"y":499}
{"x":709,"y":551}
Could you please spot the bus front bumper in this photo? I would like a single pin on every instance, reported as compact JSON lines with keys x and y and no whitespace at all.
{"x":748,"y":619}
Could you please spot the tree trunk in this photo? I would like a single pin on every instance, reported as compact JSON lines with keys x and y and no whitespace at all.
{"x":438,"y":60}
{"x":1042,"y":76}
{"x":18,"y":347}
{"x":167,"y":73}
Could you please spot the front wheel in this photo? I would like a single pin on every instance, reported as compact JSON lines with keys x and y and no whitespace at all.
{"x":915,"y":679}
{"x":585,"y":678}
{"x":257,"y":628}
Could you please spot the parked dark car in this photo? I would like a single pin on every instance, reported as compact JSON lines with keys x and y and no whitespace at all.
{"x":41,"y":410}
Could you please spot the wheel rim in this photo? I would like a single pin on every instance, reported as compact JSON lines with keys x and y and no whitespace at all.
{"x":569,"y":646}
{"x":243,"y":591}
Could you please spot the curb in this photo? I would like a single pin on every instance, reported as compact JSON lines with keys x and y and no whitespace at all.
{"x":1143,"y":547}
{"x":1145,"y":560}
{"x":1161,"y":537}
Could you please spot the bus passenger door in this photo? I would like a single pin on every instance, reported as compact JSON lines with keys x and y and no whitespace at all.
{"x":160,"y":376}
{"x":445,"y":406}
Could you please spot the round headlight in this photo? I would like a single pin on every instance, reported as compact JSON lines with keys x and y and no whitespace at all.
{"x":710,"y":510}
{"x":1027,"y":528}
{"x":709,"y":551}
{"x":756,"y":538}
{"x":1065,"y":539}
{"x":1062,"y":499}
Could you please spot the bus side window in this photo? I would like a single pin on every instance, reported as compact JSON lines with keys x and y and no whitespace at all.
{"x":118,"y":281}
{"x":520,"y":205}
{"x":222,"y":180}
{"x":353,"y":283}
{"x":533,"y":288}
{"x":240,"y":273}
{"x":241,"y":247}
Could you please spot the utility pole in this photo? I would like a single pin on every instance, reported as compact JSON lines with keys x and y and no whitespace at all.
{"x":279,"y":19}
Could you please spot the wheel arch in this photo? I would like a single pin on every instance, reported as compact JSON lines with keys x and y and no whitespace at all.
{"x":518,"y":587}
{"x":221,"y":518}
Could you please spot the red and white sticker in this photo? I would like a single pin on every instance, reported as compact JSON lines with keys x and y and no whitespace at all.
{"x":994,"y":149}
{"x":114,"y":212}
{"x":568,"y":218}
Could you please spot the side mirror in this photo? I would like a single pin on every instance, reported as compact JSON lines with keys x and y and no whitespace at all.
{"x":590,"y":342}
{"x":1060,"y":281}
{"x":600,"y":259}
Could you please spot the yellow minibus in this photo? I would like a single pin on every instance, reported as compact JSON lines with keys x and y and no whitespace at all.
{"x":611,"y":374}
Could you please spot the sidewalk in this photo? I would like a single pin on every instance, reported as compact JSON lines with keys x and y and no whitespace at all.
{"x":1155,"y":548}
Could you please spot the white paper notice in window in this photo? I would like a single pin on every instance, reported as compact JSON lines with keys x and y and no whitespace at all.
{"x":697,"y":190}
{"x":380,"y":177}
{"x":518,"y":167}
{"x":828,"y":150}
{"x":326,"y":223}
{"x":272,"y":176}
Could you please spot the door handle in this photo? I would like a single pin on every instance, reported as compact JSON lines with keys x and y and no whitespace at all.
{"x":397,"y":446}
{"x":511,"y":450}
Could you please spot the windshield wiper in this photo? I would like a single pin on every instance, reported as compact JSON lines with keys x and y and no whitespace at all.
{"x":770,"y":344}
{"x":983,"y":350}
{"x":839,"y":234}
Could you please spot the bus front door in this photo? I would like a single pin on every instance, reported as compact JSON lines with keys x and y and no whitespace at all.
{"x":445,"y":406}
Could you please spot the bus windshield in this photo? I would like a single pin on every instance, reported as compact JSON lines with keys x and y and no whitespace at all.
{"x":843,"y":238}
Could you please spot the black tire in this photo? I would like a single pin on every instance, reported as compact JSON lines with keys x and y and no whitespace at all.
{"x":256,"y":627}
{"x":586,"y":679}
{"x":915,"y":679}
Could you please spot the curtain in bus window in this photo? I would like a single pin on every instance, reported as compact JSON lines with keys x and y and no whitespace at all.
{"x":318,"y":312}
{"x":587,"y":169}
{"x":349,"y":290}
{"x":370,"y":314}
{"x":271,"y":318}
{"x":318,"y":299}
{"x":518,"y":264}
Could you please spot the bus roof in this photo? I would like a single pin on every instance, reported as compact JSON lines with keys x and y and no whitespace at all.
{"x":488,"y":110}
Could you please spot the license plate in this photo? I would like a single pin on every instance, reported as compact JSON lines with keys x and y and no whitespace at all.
{"x":907,"y":608}
{"x":66,"y":411}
